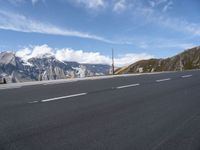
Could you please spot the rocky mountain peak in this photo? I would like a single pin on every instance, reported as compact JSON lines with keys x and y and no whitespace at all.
{"x":7,"y":58}
{"x":45,"y":67}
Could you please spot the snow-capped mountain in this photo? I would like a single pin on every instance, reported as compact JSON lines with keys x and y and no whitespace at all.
{"x":45,"y":67}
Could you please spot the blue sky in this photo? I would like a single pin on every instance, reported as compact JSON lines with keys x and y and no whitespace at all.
{"x":143,"y":28}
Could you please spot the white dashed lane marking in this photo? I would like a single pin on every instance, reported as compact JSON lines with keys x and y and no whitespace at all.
{"x":127,"y":86}
{"x":33,"y":102}
{"x":58,"y":98}
{"x":119,"y":87}
{"x":162,"y":80}
{"x":186,"y":76}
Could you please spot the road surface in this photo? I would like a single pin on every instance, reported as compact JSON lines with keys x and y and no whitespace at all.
{"x":145,"y":112}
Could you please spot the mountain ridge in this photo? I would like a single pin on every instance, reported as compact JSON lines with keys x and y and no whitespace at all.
{"x":186,"y":60}
{"x":17,"y":69}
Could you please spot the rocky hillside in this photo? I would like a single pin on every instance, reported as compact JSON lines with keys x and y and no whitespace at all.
{"x":47,"y":67}
{"x":189,"y":59}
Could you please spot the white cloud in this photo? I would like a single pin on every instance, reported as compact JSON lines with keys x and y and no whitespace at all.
{"x":151,"y":15}
{"x":178,"y":45}
{"x":67,"y":54}
{"x":167,"y":6}
{"x":116,"y":6}
{"x":24,"y":53}
{"x":17,"y":2}
{"x":169,"y":44}
{"x":34,"y":1}
{"x":17,"y":22}
{"x":119,"y":6}
{"x":130,"y":58}
{"x":162,"y":1}
{"x":35,"y":52}
{"x":179,"y":25}
{"x":152,"y":3}
{"x":159,"y":43}
{"x":81,"y":56}
{"x":94,"y":4}
{"x":37,"y":1}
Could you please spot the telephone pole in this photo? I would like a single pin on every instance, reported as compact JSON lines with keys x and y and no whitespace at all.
{"x":113,"y":67}
{"x":181,"y":64}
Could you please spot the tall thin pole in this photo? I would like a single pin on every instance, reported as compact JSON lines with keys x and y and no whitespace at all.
{"x":181,"y":64}
{"x":113,"y":66}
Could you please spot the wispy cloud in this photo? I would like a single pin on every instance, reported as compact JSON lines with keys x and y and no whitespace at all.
{"x":155,"y":3}
{"x":168,"y":6}
{"x":37,"y":1}
{"x":20,"y":2}
{"x":17,"y":22}
{"x":119,"y":6}
{"x":158,"y":43}
{"x":93,"y":4}
{"x":34,"y":1}
{"x":155,"y":13}
{"x":179,"y":25}
{"x":16,"y":2}
{"x":68,"y":54}
{"x":170,"y":45}
{"x":152,"y":15}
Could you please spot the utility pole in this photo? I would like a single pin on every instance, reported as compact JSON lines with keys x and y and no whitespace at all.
{"x":181,"y":64}
{"x":113,"y":67}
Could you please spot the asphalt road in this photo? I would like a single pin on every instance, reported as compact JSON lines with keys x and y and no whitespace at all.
{"x":145,"y":112}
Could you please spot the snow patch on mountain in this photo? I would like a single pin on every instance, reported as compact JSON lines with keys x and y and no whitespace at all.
{"x":44,"y":66}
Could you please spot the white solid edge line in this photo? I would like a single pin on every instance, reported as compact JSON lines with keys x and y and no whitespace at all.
{"x":186,"y":76}
{"x":161,"y":80}
{"x":52,"y":83}
{"x":127,"y":86}
{"x":63,"y":97}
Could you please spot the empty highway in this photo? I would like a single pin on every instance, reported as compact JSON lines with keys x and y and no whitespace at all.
{"x":143,"y":112}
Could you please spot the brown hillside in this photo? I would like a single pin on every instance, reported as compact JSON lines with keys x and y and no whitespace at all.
{"x":189,"y":59}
